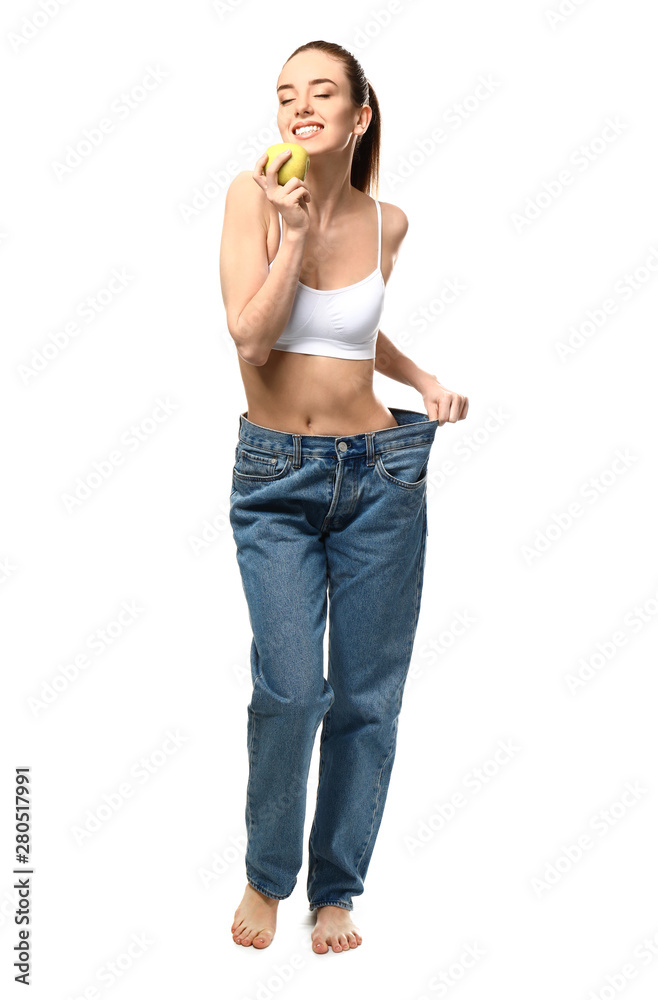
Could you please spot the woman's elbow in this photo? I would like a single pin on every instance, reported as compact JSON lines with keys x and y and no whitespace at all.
{"x":250,"y":354}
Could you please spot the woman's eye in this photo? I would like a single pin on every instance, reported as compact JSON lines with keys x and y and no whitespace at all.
{"x":317,"y":95}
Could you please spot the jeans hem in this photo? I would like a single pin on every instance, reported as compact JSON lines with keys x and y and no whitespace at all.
{"x":331,"y":902}
{"x":266,"y":892}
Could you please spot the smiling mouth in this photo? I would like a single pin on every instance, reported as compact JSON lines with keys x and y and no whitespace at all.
{"x":308,"y":135}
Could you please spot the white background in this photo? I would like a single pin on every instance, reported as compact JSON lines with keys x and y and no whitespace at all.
{"x":144,"y":202}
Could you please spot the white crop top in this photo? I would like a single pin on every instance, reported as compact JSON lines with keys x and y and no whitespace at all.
{"x":337,"y":322}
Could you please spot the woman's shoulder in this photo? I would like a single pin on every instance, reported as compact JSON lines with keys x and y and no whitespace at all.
{"x":394,"y":227}
{"x":244,"y":189}
{"x":394,"y":220}
{"x":243,"y":185}
{"x":245,"y":197}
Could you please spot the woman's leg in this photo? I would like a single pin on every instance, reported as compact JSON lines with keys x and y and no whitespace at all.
{"x":283,"y":568}
{"x":376,"y":559}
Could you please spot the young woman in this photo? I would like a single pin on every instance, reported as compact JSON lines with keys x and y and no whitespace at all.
{"x":328,"y":502}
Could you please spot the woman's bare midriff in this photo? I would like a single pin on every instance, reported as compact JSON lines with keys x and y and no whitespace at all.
{"x":311,"y":394}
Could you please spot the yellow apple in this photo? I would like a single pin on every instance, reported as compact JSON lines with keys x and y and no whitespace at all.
{"x":295,"y":166}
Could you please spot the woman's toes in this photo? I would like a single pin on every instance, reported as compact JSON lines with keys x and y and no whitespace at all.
{"x":351,"y":940}
{"x":263,"y":939}
{"x":320,"y":946}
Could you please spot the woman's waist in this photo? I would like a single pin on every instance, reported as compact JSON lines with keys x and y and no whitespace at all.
{"x":294,"y":416}
{"x":313,"y":394}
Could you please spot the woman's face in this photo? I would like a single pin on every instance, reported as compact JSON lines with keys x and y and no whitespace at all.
{"x":328,"y":103}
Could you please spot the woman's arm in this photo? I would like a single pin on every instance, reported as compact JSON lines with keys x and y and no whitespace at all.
{"x":258,"y":302}
{"x":390,"y":361}
{"x":441,"y":404}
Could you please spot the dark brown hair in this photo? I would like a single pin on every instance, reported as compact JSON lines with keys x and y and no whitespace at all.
{"x":365,"y":162}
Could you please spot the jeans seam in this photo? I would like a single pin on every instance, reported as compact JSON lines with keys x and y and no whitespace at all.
{"x":331,"y":902}
{"x":399,"y":699}
{"x":266,"y":892}
{"x":375,"y":808}
{"x":326,"y":724}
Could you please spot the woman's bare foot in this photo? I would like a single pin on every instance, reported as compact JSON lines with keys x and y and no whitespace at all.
{"x":334,"y":928}
{"x":255,"y":919}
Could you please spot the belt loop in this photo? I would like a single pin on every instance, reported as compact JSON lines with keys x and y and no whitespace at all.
{"x":370,"y":447}
{"x":296,"y":451}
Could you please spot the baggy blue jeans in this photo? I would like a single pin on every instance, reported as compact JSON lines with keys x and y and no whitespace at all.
{"x":339,"y":522}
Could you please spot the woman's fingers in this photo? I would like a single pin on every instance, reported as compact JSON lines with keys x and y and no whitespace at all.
{"x":270,"y":176}
{"x":258,"y":174}
{"x":287,"y":198}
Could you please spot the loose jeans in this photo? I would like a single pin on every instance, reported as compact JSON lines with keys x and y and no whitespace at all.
{"x":342,"y":520}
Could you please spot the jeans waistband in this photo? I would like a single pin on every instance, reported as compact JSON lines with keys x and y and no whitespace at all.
{"x":413,"y":429}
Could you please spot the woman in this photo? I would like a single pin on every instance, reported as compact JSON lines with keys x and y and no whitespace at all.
{"x":328,"y":497}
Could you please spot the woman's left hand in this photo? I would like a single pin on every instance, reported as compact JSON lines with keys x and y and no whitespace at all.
{"x":442,"y":404}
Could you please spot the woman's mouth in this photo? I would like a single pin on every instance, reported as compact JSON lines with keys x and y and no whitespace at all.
{"x":308,"y":133}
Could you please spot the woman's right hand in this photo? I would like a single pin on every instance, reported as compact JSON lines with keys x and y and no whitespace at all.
{"x":290,"y":199}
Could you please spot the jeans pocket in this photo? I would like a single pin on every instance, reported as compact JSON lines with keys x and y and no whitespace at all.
{"x":259,"y":464}
{"x":404,"y":468}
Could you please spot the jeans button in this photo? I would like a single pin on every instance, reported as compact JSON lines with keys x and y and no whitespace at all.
{"x":342,"y":446}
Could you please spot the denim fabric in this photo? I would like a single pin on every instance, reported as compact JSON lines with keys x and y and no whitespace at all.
{"x":321,"y":524}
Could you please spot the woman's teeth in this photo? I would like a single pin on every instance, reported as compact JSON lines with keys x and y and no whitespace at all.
{"x":308,"y":129}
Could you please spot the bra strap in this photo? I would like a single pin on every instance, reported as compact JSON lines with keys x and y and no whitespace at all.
{"x":379,"y":244}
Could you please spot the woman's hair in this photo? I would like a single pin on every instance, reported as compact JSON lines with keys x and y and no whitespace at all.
{"x":365,"y":162}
